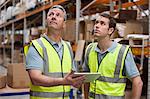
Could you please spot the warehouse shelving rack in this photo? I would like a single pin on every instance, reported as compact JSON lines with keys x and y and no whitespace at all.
{"x":139,"y":49}
{"x":112,"y":7}
{"x":23,"y":16}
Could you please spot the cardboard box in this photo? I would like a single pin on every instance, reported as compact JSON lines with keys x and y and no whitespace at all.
{"x":79,"y":51}
{"x":2,"y":81}
{"x":17,"y":76}
{"x":128,"y":14}
{"x":133,"y":27}
{"x":88,"y":29}
{"x":70,"y":30}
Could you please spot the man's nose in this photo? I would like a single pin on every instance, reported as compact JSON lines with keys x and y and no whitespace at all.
{"x":53,"y":17}
{"x":96,"y":26}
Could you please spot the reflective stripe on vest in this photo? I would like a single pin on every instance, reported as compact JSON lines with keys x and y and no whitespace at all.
{"x":116,"y":78}
{"x":45,"y":58}
{"x":48,"y":94}
{"x":52,"y":68}
{"x":100,"y":96}
{"x":111,"y":81}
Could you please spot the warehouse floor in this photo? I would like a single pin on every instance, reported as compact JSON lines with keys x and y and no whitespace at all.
{"x":26,"y":96}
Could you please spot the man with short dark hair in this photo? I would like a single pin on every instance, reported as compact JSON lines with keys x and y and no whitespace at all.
{"x":49,"y":60}
{"x":113,"y":61}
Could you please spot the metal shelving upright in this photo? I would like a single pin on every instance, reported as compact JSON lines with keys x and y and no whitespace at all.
{"x":148,"y":89}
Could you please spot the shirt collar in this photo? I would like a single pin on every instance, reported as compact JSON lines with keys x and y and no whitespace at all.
{"x":53,"y":42}
{"x":110,"y":49}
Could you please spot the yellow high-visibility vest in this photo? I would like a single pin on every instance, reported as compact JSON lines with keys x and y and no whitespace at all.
{"x":111,"y":81}
{"x":53,"y":67}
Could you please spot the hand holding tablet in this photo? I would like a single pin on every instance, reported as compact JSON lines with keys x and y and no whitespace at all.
{"x":89,"y":77}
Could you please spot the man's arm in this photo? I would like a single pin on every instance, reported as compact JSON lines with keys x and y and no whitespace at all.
{"x":136,"y":87}
{"x":34,"y":66}
{"x":39,"y":79}
{"x":133,"y":74}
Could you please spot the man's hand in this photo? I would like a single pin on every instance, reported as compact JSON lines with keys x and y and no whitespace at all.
{"x":74,"y":81}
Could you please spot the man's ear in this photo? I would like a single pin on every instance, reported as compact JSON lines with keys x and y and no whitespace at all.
{"x":111,"y":30}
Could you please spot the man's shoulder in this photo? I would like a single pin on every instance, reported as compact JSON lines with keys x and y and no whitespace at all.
{"x":92,"y":45}
{"x":34,"y":40}
{"x":66,"y":41}
{"x":31,"y":50}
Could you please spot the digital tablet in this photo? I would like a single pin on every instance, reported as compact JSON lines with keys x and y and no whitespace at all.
{"x":89,"y":77}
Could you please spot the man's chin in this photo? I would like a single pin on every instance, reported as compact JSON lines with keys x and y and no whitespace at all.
{"x":52,"y":26}
{"x":96,"y":35}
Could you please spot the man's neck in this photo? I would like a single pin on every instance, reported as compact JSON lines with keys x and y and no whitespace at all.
{"x":54,"y":36}
{"x":104,"y":44}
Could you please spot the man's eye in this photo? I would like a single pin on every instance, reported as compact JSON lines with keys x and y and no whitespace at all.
{"x":57,"y":14}
{"x":51,"y":14}
{"x":102,"y":23}
{"x":96,"y":22}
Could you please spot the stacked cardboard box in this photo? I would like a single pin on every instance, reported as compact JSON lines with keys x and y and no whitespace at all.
{"x":88,"y":29}
{"x":2,"y":81}
{"x":17,"y":76}
{"x":70,"y":30}
{"x":133,"y":27}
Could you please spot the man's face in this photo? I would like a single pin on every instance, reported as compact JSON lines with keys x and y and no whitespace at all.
{"x":55,"y":19}
{"x":101,"y":27}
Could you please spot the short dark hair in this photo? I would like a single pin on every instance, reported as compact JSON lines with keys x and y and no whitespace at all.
{"x":112,"y":22}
